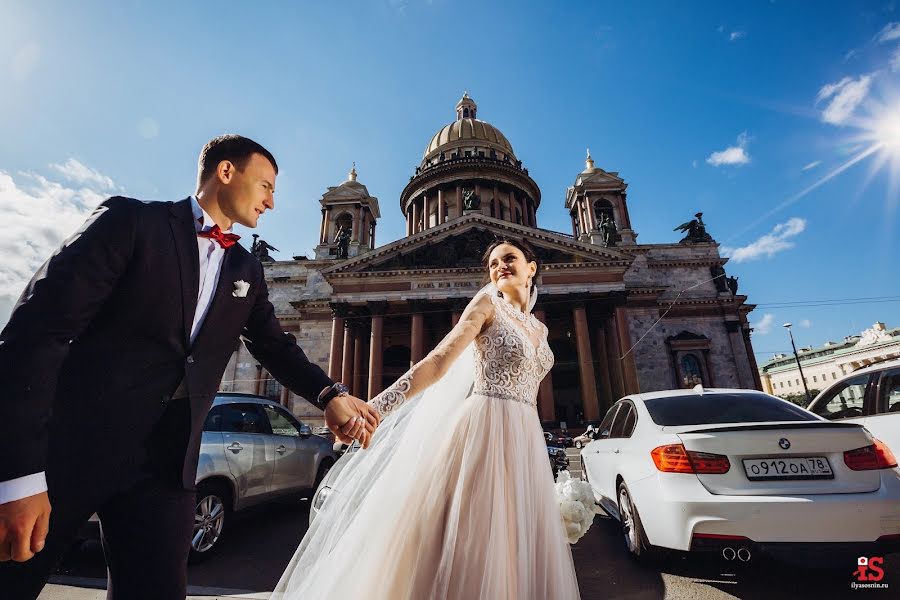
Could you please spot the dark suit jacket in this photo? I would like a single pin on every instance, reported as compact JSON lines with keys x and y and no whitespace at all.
{"x":99,"y":341}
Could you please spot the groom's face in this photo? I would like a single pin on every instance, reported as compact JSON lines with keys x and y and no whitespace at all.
{"x":249,"y":192}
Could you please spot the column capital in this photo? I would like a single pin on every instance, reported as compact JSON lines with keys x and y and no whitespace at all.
{"x":377,"y":307}
{"x":419,"y":304}
{"x":339,"y":310}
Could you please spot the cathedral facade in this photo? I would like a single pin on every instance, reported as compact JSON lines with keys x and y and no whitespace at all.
{"x":623,"y":317}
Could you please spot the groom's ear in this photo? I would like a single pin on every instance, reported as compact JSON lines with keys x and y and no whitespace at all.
{"x":225,"y":171}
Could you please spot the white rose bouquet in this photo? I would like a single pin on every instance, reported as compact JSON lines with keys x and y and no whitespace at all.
{"x":576,"y":505}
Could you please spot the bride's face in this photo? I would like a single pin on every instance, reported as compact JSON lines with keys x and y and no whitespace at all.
{"x":509,"y":270}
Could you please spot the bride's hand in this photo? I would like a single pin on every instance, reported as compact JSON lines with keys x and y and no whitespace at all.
{"x":349,"y":418}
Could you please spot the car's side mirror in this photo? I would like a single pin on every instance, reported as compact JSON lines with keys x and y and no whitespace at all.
{"x":305,"y":430}
{"x":603,"y":434}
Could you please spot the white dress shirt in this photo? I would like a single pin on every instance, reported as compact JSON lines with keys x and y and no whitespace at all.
{"x":211,"y":255}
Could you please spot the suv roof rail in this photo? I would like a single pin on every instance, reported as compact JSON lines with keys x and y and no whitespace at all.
{"x":876,"y":362}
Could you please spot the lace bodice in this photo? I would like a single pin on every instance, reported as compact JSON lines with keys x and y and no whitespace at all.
{"x":511,"y":355}
{"x":511,"y":358}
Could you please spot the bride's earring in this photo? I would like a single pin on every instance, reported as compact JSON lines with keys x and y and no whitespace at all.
{"x":499,"y":294}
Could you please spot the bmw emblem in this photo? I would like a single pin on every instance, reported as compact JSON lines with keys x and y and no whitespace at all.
{"x":784,"y":443}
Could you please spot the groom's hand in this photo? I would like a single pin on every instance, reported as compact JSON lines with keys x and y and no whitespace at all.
{"x":349,"y":418}
{"x":23,"y":527}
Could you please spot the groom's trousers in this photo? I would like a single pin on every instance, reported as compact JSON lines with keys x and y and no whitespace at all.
{"x":146,"y":531}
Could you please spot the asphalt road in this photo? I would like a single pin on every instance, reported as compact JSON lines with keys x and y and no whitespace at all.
{"x":262,"y":542}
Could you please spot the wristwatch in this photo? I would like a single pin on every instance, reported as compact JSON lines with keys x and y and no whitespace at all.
{"x":338,"y":389}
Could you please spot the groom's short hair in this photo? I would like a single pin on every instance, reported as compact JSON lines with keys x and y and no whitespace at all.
{"x":230,"y":147}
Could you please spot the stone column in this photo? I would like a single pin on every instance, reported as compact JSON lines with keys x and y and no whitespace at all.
{"x":585,"y":364}
{"x":629,"y":371}
{"x":356,"y":221}
{"x":347,"y":367}
{"x":426,"y":211}
{"x":614,"y":353}
{"x":533,"y":212}
{"x":440,"y":204}
{"x":329,"y":235}
{"x":357,"y":385}
{"x":496,"y":204}
{"x":336,"y":357}
{"x":415,"y":216}
{"x":376,"y":347}
{"x":409,"y":222}
{"x":739,"y":350}
{"x":602,"y":361}
{"x":417,"y":331}
{"x":546,"y":405}
{"x":592,"y":218}
{"x":323,"y":230}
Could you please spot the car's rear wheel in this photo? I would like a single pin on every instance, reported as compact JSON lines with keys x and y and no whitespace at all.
{"x":578,"y":444}
{"x":212,"y":517}
{"x":632,"y":529}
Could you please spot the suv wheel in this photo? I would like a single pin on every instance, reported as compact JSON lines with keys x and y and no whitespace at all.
{"x":212,"y":516}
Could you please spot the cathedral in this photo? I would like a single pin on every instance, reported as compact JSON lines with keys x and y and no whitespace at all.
{"x":623,"y":317}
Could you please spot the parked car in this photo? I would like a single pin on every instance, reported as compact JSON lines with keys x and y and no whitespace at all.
{"x":563,"y":439}
{"x":252,"y":451}
{"x":739,"y":472}
{"x":582,"y":440}
{"x":869,"y":396}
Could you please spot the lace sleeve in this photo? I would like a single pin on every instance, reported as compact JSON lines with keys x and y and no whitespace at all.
{"x":394,"y":396}
{"x":478,"y":314}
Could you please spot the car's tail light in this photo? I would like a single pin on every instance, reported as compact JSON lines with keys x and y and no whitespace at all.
{"x":876,"y":456}
{"x":674,"y":458}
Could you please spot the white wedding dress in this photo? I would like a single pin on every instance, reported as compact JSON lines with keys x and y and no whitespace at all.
{"x":454,"y":499}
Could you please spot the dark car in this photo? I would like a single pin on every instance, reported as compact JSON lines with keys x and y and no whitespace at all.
{"x":563,"y":439}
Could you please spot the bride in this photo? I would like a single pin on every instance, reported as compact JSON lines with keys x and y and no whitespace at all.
{"x":454,"y":499}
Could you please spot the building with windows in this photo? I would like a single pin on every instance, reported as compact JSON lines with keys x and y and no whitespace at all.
{"x":623,"y":317}
{"x":824,"y":365}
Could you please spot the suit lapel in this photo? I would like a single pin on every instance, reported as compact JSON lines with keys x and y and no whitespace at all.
{"x":228,"y":274}
{"x":181,"y":219}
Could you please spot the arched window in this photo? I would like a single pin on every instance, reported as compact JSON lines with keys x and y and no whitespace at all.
{"x":691,"y":374}
{"x":344,"y":220}
{"x":465,"y":113}
{"x":602,"y":207}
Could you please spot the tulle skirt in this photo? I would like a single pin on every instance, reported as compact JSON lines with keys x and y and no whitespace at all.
{"x":472,"y":515}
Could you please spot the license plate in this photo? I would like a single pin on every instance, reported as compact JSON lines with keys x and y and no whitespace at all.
{"x":807,"y":467}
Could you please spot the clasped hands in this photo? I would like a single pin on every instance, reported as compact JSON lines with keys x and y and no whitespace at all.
{"x":349,"y":418}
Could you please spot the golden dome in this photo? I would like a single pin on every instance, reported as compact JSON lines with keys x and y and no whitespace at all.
{"x":467,"y":132}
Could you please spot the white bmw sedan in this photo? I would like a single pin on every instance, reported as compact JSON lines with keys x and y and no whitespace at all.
{"x":739,"y":472}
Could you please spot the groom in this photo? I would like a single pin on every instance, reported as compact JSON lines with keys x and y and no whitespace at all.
{"x":110,"y":362}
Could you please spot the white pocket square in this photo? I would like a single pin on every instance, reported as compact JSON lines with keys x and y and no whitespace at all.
{"x":240,"y":289}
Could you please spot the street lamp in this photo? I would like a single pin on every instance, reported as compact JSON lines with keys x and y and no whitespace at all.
{"x":797,"y":358}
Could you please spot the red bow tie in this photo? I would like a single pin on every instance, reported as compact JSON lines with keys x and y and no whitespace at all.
{"x":226,"y":240}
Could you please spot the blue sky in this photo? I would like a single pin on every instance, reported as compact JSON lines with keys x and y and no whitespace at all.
{"x":728,"y":108}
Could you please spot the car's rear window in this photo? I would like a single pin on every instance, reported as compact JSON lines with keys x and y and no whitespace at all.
{"x":723,"y":408}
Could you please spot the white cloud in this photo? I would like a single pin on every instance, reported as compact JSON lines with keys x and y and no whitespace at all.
{"x":24,"y":60}
{"x":78,"y":173}
{"x":890,"y":32}
{"x":805,"y":323}
{"x":844,"y":97}
{"x":736,"y":35}
{"x":733,"y":155}
{"x":895,"y":60}
{"x":38,"y":214}
{"x":764,"y":325}
{"x":812,"y":165}
{"x":770,"y":244}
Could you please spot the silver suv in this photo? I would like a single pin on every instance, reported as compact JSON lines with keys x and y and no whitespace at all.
{"x":253,"y":450}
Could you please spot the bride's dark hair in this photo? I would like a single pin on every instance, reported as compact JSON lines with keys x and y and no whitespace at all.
{"x":523,"y":245}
